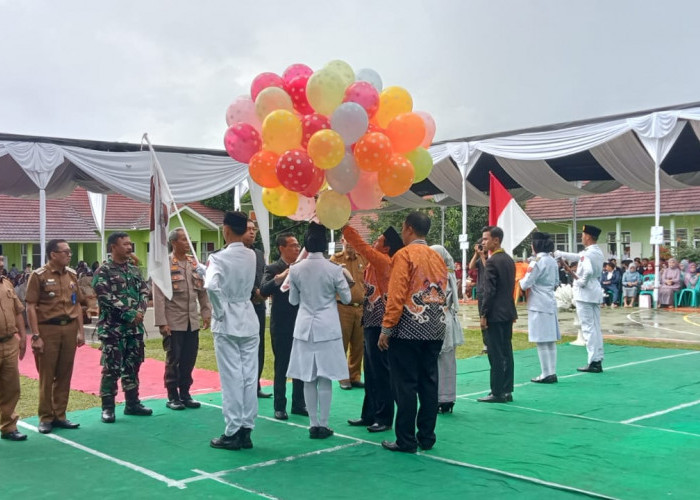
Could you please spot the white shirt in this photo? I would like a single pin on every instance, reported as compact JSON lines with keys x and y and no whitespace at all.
{"x":590,"y":267}
{"x":229,"y":282}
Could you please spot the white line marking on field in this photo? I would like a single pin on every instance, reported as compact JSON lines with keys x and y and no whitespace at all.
{"x":661,"y":412}
{"x":625,"y":365}
{"x":214,"y":477}
{"x":640,"y":322}
{"x":147,"y":472}
{"x":438,"y":459}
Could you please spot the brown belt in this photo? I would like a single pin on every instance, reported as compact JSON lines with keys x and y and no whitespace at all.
{"x":58,"y":321}
{"x":5,"y":339}
{"x":351,"y":304}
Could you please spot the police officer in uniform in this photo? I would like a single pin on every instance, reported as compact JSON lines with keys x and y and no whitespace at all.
{"x":55,"y":317}
{"x":122,"y":295}
{"x":13,"y":341}
{"x":588,"y":295}
{"x":178,"y":321}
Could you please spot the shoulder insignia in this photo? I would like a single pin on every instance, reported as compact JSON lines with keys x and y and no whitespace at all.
{"x":71,"y":270}
{"x":41,"y":270}
{"x":538,"y":259}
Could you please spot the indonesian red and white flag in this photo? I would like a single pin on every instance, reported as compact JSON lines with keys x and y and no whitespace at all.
{"x":161,"y":203}
{"x":505,"y":213}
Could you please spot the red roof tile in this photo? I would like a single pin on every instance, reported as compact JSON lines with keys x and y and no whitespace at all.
{"x":623,"y":202}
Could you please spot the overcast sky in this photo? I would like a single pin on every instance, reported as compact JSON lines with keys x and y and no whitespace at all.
{"x":113,"y":70}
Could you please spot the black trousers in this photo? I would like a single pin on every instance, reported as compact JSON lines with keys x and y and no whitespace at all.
{"x":500,"y":351}
{"x":414,"y":372}
{"x":260,"y":312}
{"x":378,"y":405}
{"x":180,"y":356}
{"x":282,"y":349}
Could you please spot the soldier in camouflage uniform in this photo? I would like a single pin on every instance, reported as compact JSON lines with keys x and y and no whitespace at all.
{"x":122,"y":297}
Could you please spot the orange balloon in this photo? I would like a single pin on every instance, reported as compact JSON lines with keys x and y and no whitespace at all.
{"x":261,"y":168}
{"x":406,"y":132}
{"x":373,"y":151}
{"x":396,"y":178}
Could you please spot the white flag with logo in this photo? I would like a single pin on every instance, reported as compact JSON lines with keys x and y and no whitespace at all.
{"x":161,"y":203}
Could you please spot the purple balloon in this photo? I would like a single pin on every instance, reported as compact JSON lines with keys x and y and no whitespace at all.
{"x":344,"y":177}
{"x":350,"y":121}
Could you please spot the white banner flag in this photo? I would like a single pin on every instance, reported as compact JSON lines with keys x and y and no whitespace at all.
{"x":161,"y":204}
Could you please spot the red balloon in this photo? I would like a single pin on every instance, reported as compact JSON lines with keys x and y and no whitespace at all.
{"x":311,"y":124}
{"x":242,"y":141}
{"x":364,"y":94}
{"x":296,"y":89}
{"x":264,"y":80}
{"x":296,"y":70}
{"x":295,"y":170}
{"x":316,"y":183}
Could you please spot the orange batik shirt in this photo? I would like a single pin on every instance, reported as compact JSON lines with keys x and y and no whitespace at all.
{"x":376,"y":278}
{"x":416,"y":303}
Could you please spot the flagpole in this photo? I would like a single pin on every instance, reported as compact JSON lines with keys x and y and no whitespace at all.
{"x":172,"y":198}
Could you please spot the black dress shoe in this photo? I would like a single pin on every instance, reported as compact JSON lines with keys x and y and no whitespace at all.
{"x":137,"y":409}
{"x":313,"y":432}
{"x":592,"y":367}
{"x":108,"y":415}
{"x":244,"y":437}
{"x":549,"y":379}
{"x":376,"y":427}
{"x":445,"y":407}
{"x":492,"y":399}
{"x":14,"y":436}
{"x":425,"y":446}
{"x":392,"y":446}
{"x":300,"y":411}
{"x":345,"y":385}
{"x":322,"y":433}
{"x":65,"y":424}
{"x":509,"y":397}
{"x":191,"y":403}
{"x":358,"y":422}
{"x":175,"y":404}
{"x":281,"y":415}
{"x":357,"y":383}
{"x":264,"y":395}
{"x":45,"y":427}
{"x":226,"y":442}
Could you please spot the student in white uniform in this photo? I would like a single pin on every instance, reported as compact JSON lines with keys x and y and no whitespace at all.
{"x":588,"y":295}
{"x":317,"y":356}
{"x":541,"y":279}
{"x":229,"y":281}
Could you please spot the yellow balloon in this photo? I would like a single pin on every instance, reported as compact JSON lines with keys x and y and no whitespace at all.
{"x":422,"y":163}
{"x":343,"y":69}
{"x":270,"y":99}
{"x":332,"y":209}
{"x":392,"y":102}
{"x":281,"y":131}
{"x":325,"y":90}
{"x":326,"y":149}
{"x":280,"y":201}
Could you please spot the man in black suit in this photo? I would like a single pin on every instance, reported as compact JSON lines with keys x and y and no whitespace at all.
{"x":498,"y":314}
{"x":282,"y":318}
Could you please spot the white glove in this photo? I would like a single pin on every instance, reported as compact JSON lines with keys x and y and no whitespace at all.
{"x":557,"y":254}
{"x":200,"y":269}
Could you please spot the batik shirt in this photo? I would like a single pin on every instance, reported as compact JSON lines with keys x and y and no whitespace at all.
{"x":416,"y":304}
{"x":122,"y":293}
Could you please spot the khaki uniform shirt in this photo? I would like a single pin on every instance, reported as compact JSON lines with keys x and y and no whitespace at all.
{"x":10,"y":307}
{"x":188,"y":287}
{"x":56,"y":293}
{"x":356,"y":267}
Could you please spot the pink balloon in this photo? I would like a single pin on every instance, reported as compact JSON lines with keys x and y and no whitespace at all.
{"x":295,"y":170}
{"x":305,"y":210}
{"x":263,"y":81}
{"x":296,"y":89}
{"x":364,"y":94}
{"x":366,"y":195}
{"x":296,"y":70}
{"x":242,"y":141}
{"x":429,"y":128}
{"x":311,"y":124}
{"x":243,"y":110}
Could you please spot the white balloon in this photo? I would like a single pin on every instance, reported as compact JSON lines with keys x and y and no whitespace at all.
{"x":350,"y":121}
{"x":371,"y":76}
{"x":344,"y":177}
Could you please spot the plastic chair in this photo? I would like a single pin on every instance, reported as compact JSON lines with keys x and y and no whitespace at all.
{"x":692,"y":293}
{"x":646,"y":279}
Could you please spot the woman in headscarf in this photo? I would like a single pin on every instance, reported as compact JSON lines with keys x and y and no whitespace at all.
{"x":317,"y":355}
{"x":670,"y":283}
{"x":454,"y":336}
{"x":631,"y":281}
{"x":690,"y":278}
{"x":542,"y":322}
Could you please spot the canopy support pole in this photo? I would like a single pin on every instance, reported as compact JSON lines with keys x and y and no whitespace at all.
{"x":42,"y":225}
{"x":657,"y":217}
{"x":465,"y":264}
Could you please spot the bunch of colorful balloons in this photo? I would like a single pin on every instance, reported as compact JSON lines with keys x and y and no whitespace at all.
{"x":324,"y":143}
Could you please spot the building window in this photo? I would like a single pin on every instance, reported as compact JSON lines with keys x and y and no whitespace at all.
{"x":625,"y":237}
{"x":34,"y":259}
{"x":696,"y":237}
{"x":681,"y":236}
{"x":208,"y":247}
{"x":579,"y":243}
{"x":561,"y":241}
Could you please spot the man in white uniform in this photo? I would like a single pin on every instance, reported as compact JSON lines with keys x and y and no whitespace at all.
{"x":229,"y":282}
{"x":588,"y":295}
